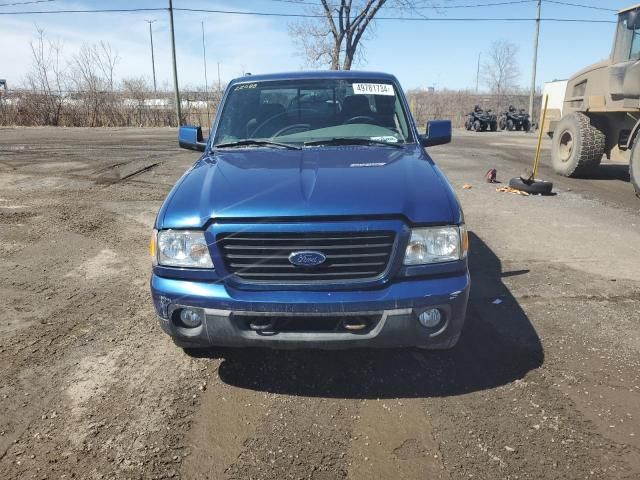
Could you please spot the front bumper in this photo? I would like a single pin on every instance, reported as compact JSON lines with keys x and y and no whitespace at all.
{"x":391,"y":306}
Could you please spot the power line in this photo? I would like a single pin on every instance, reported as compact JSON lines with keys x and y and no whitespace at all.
{"x":411,"y":19}
{"x":511,"y":2}
{"x":424,"y":7}
{"x":25,"y":3}
{"x":580,"y":5}
{"x":100,"y":10}
{"x":306,"y":15}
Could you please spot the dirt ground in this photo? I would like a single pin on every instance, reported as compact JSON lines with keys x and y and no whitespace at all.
{"x":543,"y":384}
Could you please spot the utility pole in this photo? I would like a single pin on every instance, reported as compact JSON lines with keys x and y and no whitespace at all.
{"x":535,"y":62}
{"x":219,"y":84}
{"x":206,"y":82}
{"x":478,"y":72}
{"x":175,"y":68}
{"x":153,"y":62}
{"x":204,"y":59}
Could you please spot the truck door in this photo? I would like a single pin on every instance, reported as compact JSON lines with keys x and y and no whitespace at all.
{"x":624,"y":73}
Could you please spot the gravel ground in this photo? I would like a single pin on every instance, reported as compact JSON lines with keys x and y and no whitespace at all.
{"x":543,"y":384}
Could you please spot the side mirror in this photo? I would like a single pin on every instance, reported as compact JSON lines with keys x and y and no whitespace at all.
{"x":438,"y":133}
{"x":190,"y":137}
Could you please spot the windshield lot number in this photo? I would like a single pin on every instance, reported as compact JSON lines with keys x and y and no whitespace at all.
{"x":373,"y":89}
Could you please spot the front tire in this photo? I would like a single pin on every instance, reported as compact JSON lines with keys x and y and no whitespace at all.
{"x":577,"y":147}
{"x":526,"y":126}
{"x":494,"y":126}
{"x":510,"y":125}
{"x":477,"y":125}
{"x":634,"y":167}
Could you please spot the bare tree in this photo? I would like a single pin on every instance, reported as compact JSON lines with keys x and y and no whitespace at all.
{"x":92,"y":70}
{"x":336,"y":35}
{"x":46,"y":79}
{"x":501,"y":72}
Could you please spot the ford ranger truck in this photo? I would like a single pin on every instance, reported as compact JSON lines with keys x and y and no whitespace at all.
{"x":313,"y":219}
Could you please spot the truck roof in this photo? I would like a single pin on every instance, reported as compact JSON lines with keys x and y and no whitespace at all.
{"x":637,"y":5}
{"x":318,"y":74}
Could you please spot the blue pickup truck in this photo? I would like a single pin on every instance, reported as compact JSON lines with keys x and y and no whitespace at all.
{"x":313,"y":219}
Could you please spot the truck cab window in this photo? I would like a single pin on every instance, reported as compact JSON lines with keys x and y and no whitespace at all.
{"x":624,"y":36}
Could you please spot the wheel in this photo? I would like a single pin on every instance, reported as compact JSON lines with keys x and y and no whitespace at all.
{"x":518,"y":127}
{"x":494,"y":126}
{"x":468,"y":123}
{"x":634,"y":167}
{"x":577,"y":146}
{"x":477,"y":126}
{"x":502,"y":124}
{"x":539,"y":187}
{"x":526,"y":125}
{"x":509,"y":124}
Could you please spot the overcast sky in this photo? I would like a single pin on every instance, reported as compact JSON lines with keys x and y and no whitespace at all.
{"x":435,"y":53}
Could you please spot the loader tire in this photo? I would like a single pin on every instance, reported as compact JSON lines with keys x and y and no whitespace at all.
{"x":634,"y":168}
{"x":577,"y":146}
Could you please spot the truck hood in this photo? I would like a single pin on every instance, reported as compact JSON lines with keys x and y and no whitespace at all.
{"x":596,"y":66}
{"x":313,"y":182}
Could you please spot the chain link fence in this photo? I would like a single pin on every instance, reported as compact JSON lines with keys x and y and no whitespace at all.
{"x":149,"y":109}
{"x":455,"y":105}
{"x":105,"y":109}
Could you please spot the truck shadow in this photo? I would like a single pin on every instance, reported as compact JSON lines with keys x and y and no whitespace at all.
{"x":611,"y":171}
{"x":498,"y":345}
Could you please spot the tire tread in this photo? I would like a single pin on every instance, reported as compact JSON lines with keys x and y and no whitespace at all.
{"x":589,"y":147}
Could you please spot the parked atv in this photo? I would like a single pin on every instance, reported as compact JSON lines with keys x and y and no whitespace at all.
{"x":479,"y":120}
{"x":512,"y":119}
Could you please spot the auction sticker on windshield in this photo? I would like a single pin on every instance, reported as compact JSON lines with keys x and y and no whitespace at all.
{"x":373,"y":89}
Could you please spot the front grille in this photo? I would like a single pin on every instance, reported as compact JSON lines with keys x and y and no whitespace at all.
{"x":264,"y":257}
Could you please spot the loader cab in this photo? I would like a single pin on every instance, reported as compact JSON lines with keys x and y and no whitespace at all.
{"x":627,"y":40}
{"x":624,"y":69}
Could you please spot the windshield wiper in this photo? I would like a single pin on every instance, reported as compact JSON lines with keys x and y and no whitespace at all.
{"x":258,"y":143}
{"x":352,"y":141}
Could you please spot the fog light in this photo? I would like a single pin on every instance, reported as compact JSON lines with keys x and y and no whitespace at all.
{"x":191,"y":317}
{"x":430,"y":318}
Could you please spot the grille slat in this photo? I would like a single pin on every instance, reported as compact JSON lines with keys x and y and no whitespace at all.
{"x":293,"y":267}
{"x":303,"y":245}
{"x":286,"y":257}
{"x":264,"y":257}
{"x":307,"y":275}
{"x":297,"y":239}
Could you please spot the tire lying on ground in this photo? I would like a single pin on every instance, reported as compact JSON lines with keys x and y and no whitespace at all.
{"x":538,"y":187}
{"x":577,"y":146}
{"x":634,"y":167}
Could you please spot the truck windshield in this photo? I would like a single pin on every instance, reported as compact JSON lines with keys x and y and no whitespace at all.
{"x":299,"y":112}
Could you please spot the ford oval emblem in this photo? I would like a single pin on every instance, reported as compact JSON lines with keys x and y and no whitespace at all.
{"x":307,"y":258}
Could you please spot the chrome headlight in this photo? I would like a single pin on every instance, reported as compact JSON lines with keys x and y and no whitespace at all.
{"x":436,"y":244}
{"x":183,"y":248}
